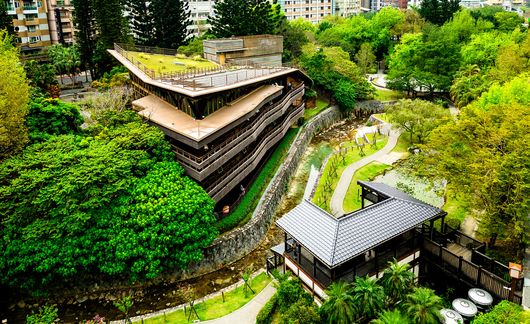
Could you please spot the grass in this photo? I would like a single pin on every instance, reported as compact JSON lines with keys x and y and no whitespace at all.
{"x":244,"y":210}
{"x":388,"y":95}
{"x":322,"y":196}
{"x":321,"y":104}
{"x":166,"y":63}
{"x":366,"y":173}
{"x":403,"y":144}
{"x":382,"y":116}
{"x":456,"y":208}
{"x":215,"y":307}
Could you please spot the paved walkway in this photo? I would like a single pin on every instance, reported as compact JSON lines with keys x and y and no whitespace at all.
{"x":248,"y":313}
{"x":383,"y":154}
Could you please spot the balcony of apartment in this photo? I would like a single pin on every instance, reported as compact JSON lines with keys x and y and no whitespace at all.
{"x":11,"y":10}
{"x":239,"y":167}
{"x":35,"y":33}
{"x":224,"y":148}
{"x":30,"y":7}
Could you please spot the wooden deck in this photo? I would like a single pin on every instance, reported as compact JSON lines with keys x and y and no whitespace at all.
{"x":460,"y":250}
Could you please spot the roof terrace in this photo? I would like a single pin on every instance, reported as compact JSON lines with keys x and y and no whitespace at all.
{"x":162,"y":68}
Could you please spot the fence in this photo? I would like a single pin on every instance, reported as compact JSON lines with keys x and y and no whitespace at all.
{"x":470,"y":272}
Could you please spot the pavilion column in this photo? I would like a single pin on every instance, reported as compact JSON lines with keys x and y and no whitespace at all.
{"x":376,"y":263}
{"x":314,"y":267}
{"x":442,"y":226}
{"x":362,"y":198}
{"x":432,"y":229}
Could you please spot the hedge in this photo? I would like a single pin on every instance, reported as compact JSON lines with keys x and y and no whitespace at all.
{"x":266,"y":313}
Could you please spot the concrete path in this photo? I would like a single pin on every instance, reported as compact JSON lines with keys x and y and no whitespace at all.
{"x":344,"y":182}
{"x":248,"y":313}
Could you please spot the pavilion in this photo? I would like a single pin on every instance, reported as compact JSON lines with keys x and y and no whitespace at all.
{"x":321,"y":248}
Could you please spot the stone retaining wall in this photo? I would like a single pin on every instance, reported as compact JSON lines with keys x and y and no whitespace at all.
{"x":233,"y":246}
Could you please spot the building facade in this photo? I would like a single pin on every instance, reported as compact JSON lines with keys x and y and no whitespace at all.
{"x":346,"y":8}
{"x":311,"y":10}
{"x":261,"y":50}
{"x":30,"y":22}
{"x":222,"y":122}
{"x":199,"y":12}
{"x":61,"y":21}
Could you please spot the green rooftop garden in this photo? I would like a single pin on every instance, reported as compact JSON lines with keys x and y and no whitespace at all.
{"x":170,"y":64}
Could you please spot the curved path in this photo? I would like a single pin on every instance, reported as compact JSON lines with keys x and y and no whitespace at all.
{"x":248,"y":313}
{"x":344,"y":182}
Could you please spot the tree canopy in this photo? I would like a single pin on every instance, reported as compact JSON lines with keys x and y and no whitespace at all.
{"x":14,"y":94}
{"x":108,"y":203}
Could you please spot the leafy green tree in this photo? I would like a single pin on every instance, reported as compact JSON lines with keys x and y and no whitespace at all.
{"x":66,"y":60}
{"x":141,"y":21}
{"x":289,"y":291}
{"x":365,"y":58}
{"x":171,"y":17}
{"x":242,"y":18}
{"x":301,"y":312}
{"x":48,"y":117}
{"x":423,"y":306}
{"x":391,"y":317}
{"x":124,"y":305}
{"x":368,"y":297}
{"x":40,"y":75}
{"x":14,"y":95}
{"x":345,"y":94}
{"x":486,"y":13}
{"x":417,"y":117}
{"x":483,"y":48}
{"x":294,"y":37}
{"x":397,"y":281}
{"x":402,"y":64}
{"x":468,"y":85}
{"x":489,"y":138}
{"x":46,"y":315}
{"x":508,"y":21}
{"x":339,"y":307}
{"x":194,"y":46}
{"x":438,"y":11}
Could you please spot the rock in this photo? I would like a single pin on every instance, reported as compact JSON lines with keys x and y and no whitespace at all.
{"x":81,"y":299}
{"x":21,"y":304}
{"x":168,"y":304}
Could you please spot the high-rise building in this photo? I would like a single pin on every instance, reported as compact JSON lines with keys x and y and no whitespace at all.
{"x":311,"y":10}
{"x":199,"y":12}
{"x":61,"y":21}
{"x":30,"y":21}
{"x":346,"y":8}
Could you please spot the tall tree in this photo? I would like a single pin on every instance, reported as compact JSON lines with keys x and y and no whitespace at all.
{"x":14,"y":95}
{"x":85,"y":32}
{"x":365,"y":58}
{"x":368,"y":297}
{"x":242,"y":18}
{"x":141,"y":21}
{"x":397,"y":281}
{"x":391,"y":317}
{"x":438,"y":11}
{"x":171,"y":17}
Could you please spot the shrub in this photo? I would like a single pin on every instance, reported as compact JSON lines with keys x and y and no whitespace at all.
{"x":265,"y":314}
{"x":289,"y":292}
{"x":302,"y":312}
{"x":504,"y":312}
{"x":181,"y":56}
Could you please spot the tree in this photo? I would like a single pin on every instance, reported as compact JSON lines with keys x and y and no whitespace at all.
{"x":301,"y":312}
{"x":66,"y":60}
{"x":423,"y":306}
{"x":365,"y":58}
{"x":401,"y":68}
{"x":242,"y":18}
{"x":6,"y":21}
{"x":391,"y":317}
{"x":48,"y":117}
{"x":504,"y":312}
{"x":85,"y":32}
{"x":14,"y":95}
{"x":397,"y":281}
{"x":484,"y":154}
{"x":368,"y":297}
{"x":41,"y":76}
{"x":294,"y":37}
{"x":468,"y":85}
{"x":141,"y":21}
{"x":124,"y":305}
{"x":289,"y":291}
{"x":105,"y":206}
{"x":508,"y":21}
{"x":417,"y":117}
{"x":170,"y":21}
{"x":438,"y":11}
{"x":339,"y":307}
{"x":345,"y":94}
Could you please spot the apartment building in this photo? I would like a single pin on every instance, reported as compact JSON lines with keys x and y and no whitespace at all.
{"x":346,"y":8}
{"x":311,"y":10}
{"x":30,"y":20}
{"x":199,"y":12}
{"x":61,"y":21}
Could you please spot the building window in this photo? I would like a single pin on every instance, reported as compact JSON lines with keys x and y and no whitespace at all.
{"x":32,"y":29}
{"x":34,"y":39}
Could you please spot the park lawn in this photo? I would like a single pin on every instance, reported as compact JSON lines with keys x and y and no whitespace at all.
{"x":388,"y":95}
{"x":382,"y":117}
{"x":321,"y":104}
{"x":322,"y":196}
{"x":352,"y":201}
{"x":215,"y":307}
{"x":166,"y":63}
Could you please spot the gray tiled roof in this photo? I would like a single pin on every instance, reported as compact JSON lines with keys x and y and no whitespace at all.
{"x":337,"y":240}
{"x":388,"y":191}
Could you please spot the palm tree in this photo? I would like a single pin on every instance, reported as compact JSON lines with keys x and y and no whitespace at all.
{"x":339,"y":307}
{"x":391,"y":317}
{"x":368,"y":296}
{"x":423,"y":306}
{"x":397,"y":281}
